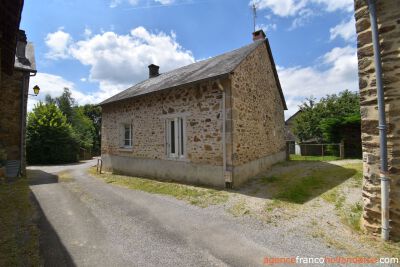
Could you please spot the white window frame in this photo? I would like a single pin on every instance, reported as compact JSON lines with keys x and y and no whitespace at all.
{"x":179,"y":138}
{"x":125,"y":127}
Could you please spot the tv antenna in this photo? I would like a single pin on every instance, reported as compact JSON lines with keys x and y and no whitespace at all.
{"x":254,"y":8}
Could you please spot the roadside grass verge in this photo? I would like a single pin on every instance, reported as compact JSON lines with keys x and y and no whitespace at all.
{"x":19,"y":235}
{"x":349,"y":214}
{"x":314,"y":158}
{"x":195,"y":195}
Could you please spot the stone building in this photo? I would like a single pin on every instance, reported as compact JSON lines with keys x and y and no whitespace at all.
{"x":216,"y":122}
{"x":388,"y":17}
{"x":17,"y":64}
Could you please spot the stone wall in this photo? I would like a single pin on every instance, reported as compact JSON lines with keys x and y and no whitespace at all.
{"x":388,"y":14}
{"x":257,"y":109}
{"x":10,"y":110}
{"x":201,"y":105}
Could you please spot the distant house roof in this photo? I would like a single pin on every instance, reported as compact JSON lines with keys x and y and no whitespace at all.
{"x":292,"y":117}
{"x":216,"y":67}
{"x":28,"y":63}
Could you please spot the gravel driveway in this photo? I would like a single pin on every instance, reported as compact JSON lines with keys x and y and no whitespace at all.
{"x":86,"y":222}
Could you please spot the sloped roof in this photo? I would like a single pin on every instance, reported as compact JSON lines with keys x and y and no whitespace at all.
{"x":212,"y":68}
{"x":28,"y":63}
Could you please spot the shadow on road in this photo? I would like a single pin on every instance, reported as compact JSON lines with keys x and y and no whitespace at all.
{"x":52,"y":250}
{"x":37,"y":177}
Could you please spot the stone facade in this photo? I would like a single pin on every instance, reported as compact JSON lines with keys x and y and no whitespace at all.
{"x":10,"y":109}
{"x":388,"y":16}
{"x":254,"y":124}
{"x":200,"y":105}
{"x":257,"y":113}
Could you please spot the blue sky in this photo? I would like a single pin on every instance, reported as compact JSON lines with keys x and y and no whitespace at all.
{"x":100,"y":47}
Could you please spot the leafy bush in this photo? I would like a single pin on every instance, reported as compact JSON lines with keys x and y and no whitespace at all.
{"x":50,"y":139}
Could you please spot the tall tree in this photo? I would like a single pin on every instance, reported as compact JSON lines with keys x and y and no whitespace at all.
{"x":50,"y":138}
{"x":65,"y":103}
{"x":94,"y":114}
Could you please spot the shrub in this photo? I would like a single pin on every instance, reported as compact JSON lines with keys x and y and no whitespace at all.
{"x":50,"y":139}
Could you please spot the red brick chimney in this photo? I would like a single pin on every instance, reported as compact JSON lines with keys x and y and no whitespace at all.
{"x":259,"y":35}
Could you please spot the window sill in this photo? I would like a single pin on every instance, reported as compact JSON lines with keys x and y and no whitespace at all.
{"x":125,"y":149}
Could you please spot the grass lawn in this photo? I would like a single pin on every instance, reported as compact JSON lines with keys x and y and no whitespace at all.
{"x":195,"y":195}
{"x":19,"y":235}
{"x":314,"y":158}
{"x":298,"y":185}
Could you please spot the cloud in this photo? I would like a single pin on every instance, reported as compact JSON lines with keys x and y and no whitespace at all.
{"x":58,"y":43}
{"x":303,"y":18}
{"x":165,"y":2}
{"x":282,"y":8}
{"x":346,"y":30}
{"x":285,"y":8}
{"x":119,"y":61}
{"x":266,"y":27}
{"x":337,"y":72}
{"x":115,"y":3}
{"x":54,"y":85}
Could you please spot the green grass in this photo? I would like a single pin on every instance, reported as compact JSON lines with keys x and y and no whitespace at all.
{"x":195,"y":195}
{"x":239,"y":208}
{"x":352,"y":216}
{"x":314,"y":158}
{"x":19,"y":236}
{"x":300,"y":185}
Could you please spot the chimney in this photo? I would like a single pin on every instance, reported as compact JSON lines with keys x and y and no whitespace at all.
{"x":259,"y":35}
{"x":21,"y":44}
{"x":153,"y":71}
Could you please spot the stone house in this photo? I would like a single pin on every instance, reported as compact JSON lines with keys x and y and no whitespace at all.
{"x":217,"y":122}
{"x":17,"y":64}
{"x":388,"y":19}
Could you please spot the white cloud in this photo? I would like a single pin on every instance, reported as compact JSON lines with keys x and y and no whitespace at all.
{"x":281,"y":8}
{"x":58,"y":43}
{"x":119,"y":61}
{"x":123,"y":59}
{"x":266,"y":27}
{"x":339,"y":73}
{"x":333,"y":5}
{"x":285,"y":8}
{"x":345,"y":30}
{"x":303,"y":18}
{"x":54,"y":85}
{"x":165,"y":2}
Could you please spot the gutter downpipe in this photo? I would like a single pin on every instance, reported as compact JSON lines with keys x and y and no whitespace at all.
{"x":25,"y":84}
{"x":223,"y":129}
{"x":385,"y":186}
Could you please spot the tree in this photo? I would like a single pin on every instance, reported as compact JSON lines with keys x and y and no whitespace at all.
{"x":65,"y":103}
{"x":323,"y":120}
{"x":50,"y":139}
{"x":94,"y":114}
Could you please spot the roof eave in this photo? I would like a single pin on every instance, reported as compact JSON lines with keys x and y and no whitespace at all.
{"x":221,"y":76}
{"x":278,"y":83}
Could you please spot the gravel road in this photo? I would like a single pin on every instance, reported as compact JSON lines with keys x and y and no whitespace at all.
{"x":86,"y":222}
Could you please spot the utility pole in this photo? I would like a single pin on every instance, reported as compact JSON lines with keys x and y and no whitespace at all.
{"x":254,"y":16}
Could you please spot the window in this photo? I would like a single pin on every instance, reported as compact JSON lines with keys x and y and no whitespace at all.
{"x":127,"y":142}
{"x":175,"y":137}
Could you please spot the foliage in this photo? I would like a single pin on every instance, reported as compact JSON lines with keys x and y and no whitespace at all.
{"x":85,"y":120}
{"x":50,"y":139}
{"x":94,"y":114}
{"x":324,"y":120}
